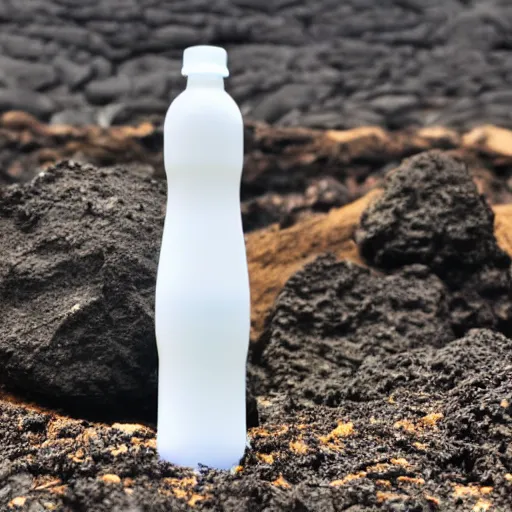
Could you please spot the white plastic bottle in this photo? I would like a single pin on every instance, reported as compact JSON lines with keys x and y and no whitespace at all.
{"x":202,"y":295}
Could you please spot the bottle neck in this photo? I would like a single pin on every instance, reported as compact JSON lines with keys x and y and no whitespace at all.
{"x":205,"y":80}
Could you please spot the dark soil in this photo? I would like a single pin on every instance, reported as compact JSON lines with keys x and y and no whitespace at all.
{"x":393,"y":63}
{"x":385,"y":388}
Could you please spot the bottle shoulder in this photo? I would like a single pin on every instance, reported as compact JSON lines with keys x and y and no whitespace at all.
{"x":204,"y":129}
{"x":203,"y":103}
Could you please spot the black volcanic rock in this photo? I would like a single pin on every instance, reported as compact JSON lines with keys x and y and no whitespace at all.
{"x":368,"y":398}
{"x":433,"y":234}
{"x":77,"y":283}
{"x":430,"y":213}
{"x":76,"y":289}
{"x":332,"y":315}
{"x":457,"y":365}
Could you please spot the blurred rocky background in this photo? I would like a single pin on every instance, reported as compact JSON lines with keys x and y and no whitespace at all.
{"x":334,"y":94}
{"x":321,"y":64}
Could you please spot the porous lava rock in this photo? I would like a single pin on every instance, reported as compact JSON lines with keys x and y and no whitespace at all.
{"x":77,"y":279}
{"x":432,"y":370}
{"x":368,"y":397}
{"x":431,"y":213}
{"x":333,"y":314}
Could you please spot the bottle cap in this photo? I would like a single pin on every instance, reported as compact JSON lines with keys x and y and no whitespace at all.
{"x":205,"y":59}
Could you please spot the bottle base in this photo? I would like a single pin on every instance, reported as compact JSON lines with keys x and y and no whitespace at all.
{"x":213,"y":458}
